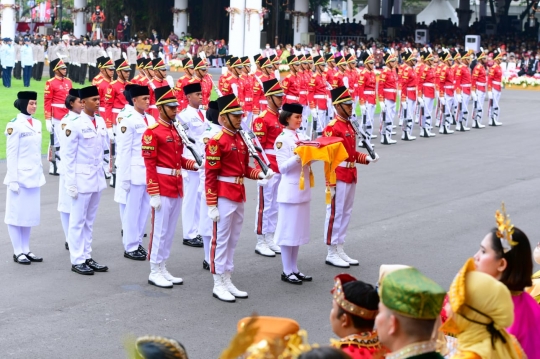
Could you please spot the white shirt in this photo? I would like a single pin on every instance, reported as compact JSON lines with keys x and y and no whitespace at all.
{"x":196,"y":126}
{"x":62,"y":138}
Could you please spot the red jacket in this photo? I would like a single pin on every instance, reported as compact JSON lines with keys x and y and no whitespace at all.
{"x":227,"y":156}
{"x":305,"y":77}
{"x":154,"y":84}
{"x":426,"y":82}
{"x":337,"y":79}
{"x":462,"y":79}
{"x":291,"y":86}
{"x":102,"y":86}
{"x":114,"y":101}
{"x":318,"y":92}
{"x":227,"y":84}
{"x":446,"y":81}
{"x":179,"y":91}
{"x":479,"y":78}
{"x":495,"y":77}
{"x":162,"y":147}
{"x":267,"y":128}
{"x":353,"y":77}
{"x":245,"y":92}
{"x":342,"y":128}
{"x":259,"y":100}
{"x":366,"y":87}
{"x":56,"y":91}
{"x":388,"y":84}
{"x":206,"y":86}
{"x":408,"y":83}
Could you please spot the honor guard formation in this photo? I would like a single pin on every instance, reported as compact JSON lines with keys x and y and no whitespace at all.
{"x":172,"y":153}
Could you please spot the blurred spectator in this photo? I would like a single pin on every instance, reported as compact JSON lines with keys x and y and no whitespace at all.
{"x":173,"y":37}
{"x":127,"y":28}
{"x":120,"y":30}
{"x":194,"y":48}
{"x":268,"y":51}
{"x":279,"y":50}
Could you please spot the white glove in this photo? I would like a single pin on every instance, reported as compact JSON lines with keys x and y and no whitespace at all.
{"x":404,"y":105}
{"x":363,"y":108}
{"x":155,"y":202}
{"x":442,"y":101}
{"x":48,"y":125}
{"x":268,"y":174}
{"x":262,"y":182}
{"x":369,"y":159}
{"x":196,"y":166}
{"x":314,"y":113}
{"x":213,"y":213}
{"x":382,"y":105}
{"x":459,"y":98}
{"x":490,"y":95}
{"x":14,"y":186}
{"x":298,"y":159}
{"x":72,"y":192}
{"x":420,"y":101}
{"x":110,"y":132}
{"x":126,"y":185}
{"x":474,"y":96}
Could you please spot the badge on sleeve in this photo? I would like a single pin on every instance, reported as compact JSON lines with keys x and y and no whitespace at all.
{"x":68,"y":132}
{"x":9,"y":131}
{"x":279,"y":144}
{"x":123,"y":129}
{"x":147,"y":139}
{"x":212,"y":149}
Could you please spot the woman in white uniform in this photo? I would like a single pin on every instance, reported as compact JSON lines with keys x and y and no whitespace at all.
{"x":24,"y":176}
{"x":293,"y":204}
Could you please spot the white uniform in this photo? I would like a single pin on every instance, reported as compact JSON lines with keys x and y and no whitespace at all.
{"x":131,"y":176}
{"x":120,"y":194}
{"x":195,"y":119}
{"x":83,"y":161}
{"x":25,"y":171}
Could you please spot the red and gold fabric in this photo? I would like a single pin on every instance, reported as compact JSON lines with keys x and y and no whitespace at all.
{"x":318,"y":92}
{"x":179,"y":91}
{"x":360,"y":346}
{"x":408,"y":83}
{"x":388,"y":84}
{"x":267,"y":128}
{"x":56,"y":91}
{"x":426,"y":82}
{"x":291,"y":87}
{"x":115,"y":101}
{"x":366,"y":87}
{"x":479,"y":78}
{"x":446,"y":81}
{"x":245,"y":92}
{"x":462,"y":79}
{"x":494,"y":77}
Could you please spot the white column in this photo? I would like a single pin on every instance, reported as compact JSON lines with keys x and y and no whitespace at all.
{"x":79,"y":27}
{"x":350,"y":10}
{"x":237,"y":24}
{"x":301,"y":21}
{"x":8,"y":20}
{"x":252,"y":28}
{"x":373,"y":27}
{"x":180,"y":19}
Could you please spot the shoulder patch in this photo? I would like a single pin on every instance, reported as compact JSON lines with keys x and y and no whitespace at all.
{"x":218,"y":135}
{"x":154,"y":125}
{"x":332,"y":123}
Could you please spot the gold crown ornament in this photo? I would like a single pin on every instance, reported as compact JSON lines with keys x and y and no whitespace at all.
{"x":505,"y":229}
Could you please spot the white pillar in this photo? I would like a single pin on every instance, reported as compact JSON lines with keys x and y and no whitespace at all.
{"x":373,"y":26}
{"x":79,"y":27}
{"x":252,"y":28}
{"x":8,"y":20}
{"x":300,"y":23}
{"x":236,"y":28}
{"x":350,"y":10}
{"x":180,"y":19}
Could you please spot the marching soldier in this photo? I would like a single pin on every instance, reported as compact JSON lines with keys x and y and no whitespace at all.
{"x":200,"y":74}
{"x":141,"y":75}
{"x":446,"y":91}
{"x":187,"y":65}
{"x":86,"y":141}
{"x":148,"y":73}
{"x":276,"y":61}
{"x":227,"y":72}
{"x":267,"y":128}
{"x":194,"y":119}
{"x":332,"y":71}
{"x":339,"y":74}
{"x":338,"y":212}
{"x":132,"y":172}
{"x":366,"y":92}
{"x":291,"y":84}
{"x":354,"y":74}
{"x":463,"y":90}
{"x":388,"y":83}
{"x":318,"y":95}
{"x":246,"y":89}
{"x":264,"y":73}
{"x":456,"y":106}
{"x":230,"y":84}
{"x":304,"y":76}
{"x":24,"y":176}
{"x":96,"y":78}
{"x":56,"y":91}
{"x":162,"y":152}
{"x":426,"y":92}
{"x":407,"y":87}
{"x":478,"y":88}
{"x":494,"y":87}
{"x":157,"y":81}
{"x":226,"y":166}
{"x":103,"y":80}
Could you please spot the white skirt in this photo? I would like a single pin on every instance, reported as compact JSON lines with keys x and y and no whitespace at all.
{"x":293,"y":224}
{"x":23,"y":208}
{"x":64,"y":200}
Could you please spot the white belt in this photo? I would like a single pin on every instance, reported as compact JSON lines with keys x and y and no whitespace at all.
{"x":169,"y":171}
{"x":369,"y":92}
{"x":347,"y":164}
{"x":449,"y":87}
{"x":236,"y":180}
{"x":389,"y":90}
{"x":58,"y":105}
{"x":411,"y":88}
{"x":480,"y":84}
{"x":248,"y":99}
{"x":270,"y":151}
{"x":429,"y":84}
{"x":102,"y":109}
{"x":322,"y":97}
{"x":303,"y":92}
{"x":116,"y":110}
{"x":495,"y":82}
{"x":263,"y":102}
{"x":153,"y":106}
{"x":466,"y":85}
{"x":290,"y":97}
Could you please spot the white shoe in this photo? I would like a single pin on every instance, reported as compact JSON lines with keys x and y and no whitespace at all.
{"x":416,"y":120}
{"x":345,"y":257}
{"x":269,"y":239}
{"x":231,"y":287}
{"x":169,"y":276}
{"x":220,"y":292}
{"x":334,"y":259}
{"x":373,"y":136}
{"x":156,"y":277}
{"x":262,"y":248}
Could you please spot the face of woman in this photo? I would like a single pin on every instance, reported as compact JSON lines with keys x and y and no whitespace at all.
{"x":294,"y":122}
{"x":486,"y":260}
{"x":32,"y":107}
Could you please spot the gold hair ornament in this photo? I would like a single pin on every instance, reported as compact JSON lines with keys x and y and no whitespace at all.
{"x":505,"y":229}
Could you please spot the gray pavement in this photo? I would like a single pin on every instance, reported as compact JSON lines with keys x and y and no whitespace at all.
{"x":427,"y":203}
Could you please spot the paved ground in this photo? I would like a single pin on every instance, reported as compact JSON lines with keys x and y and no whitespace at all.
{"x":427,"y":203}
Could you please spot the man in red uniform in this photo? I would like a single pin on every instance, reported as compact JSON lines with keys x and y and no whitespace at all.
{"x":339,"y":74}
{"x":230,"y":84}
{"x":264,"y":73}
{"x":446,"y":91}
{"x":366,"y":91}
{"x":478,"y":88}
{"x":225,"y":72}
{"x":305,"y":77}
{"x":187,"y":65}
{"x":419,"y":69}
{"x":462,"y":78}
{"x":426,"y":92}
{"x":200,"y":74}
{"x":148,"y":72}
{"x":407,"y":88}
{"x":56,"y":91}
{"x":354,"y":74}
{"x":160,"y":73}
{"x":245,"y":90}
{"x":329,"y":75}
{"x":106,"y":72}
{"x":318,"y":96}
{"x":338,"y":212}
{"x":99,"y":62}
{"x":162,"y":150}
{"x":137,"y":80}
{"x":226,"y":166}
{"x":494,"y":87}
{"x":276,"y":61}
{"x":291,"y":83}
{"x":388,"y":87}
{"x":267,"y":128}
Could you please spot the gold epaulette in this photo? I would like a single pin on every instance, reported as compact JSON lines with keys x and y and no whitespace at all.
{"x":218,"y":135}
{"x":115,"y":81}
{"x":154,"y":125}
{"x":333,"y":122}
{"x":262,"y":114}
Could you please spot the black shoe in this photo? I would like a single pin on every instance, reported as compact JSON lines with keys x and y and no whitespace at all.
{"x":145,"y":235}
{"x":122,"y":232}
{"x":288,"y":279}
{"x":205,"y":265}
{"x":21,"y":259}
{"x":195,"y":242}
{"x":33,"y":257}
{"x":303,"y":277}
{"x":96,"y":266}
{"x":66,"y":245}
{"x":82,"y":269}
{"x":54,"y":174}
{"x":135,"y":255}
{"x":142,"y":250}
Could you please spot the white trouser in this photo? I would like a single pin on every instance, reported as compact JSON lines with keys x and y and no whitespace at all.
{"x":464,"y":115}
{"x":64,"y":218}
{"x":81,"y":222}
{"x":448,"y":109}
{"x":266,"y":212}
{"x":289,"y":259}
{"x":322,"y":120}
{"x":122,"y":208}
{"x":135,"y":217}
{"x":494,"y":110}
{"x":368,"y":124}
{"x":386,"y":127}
{"x":338,"y":213}
{"x":428,"y":107}
{"x":330,"y":108}
{"x":20,"y":238}
{"x":225,"y":235}
{"x":206,"y":226}
{"x":248,"y":119}
{"x":163,"y":226}
{"x":306,"y":112}
{"x":411,"y":113}
{"x":480,"y":105}
{"x":57,"y":131}
{"x":191,"y":205}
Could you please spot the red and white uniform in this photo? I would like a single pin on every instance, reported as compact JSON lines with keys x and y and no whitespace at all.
{"x":446,"y":90}
{"x":179,"y":91}
{"x":479,"y":78}
{"x":227,"y":164}
{"x":56,"y":91}
{"x":152,"y":85}
{"x":366,"y":92}
{"x":114,"y":101}
{"x":407,"y":86}
{"x":207,"y":85}
{"x":387,"y":90}
{"x":102,"y":86}
{"x":462,"y":81}
{"x":494,"y":86}
{"x":291,"y":87}
{"x":259,"y":100}
{"x":426,"y":90}
{"x":229,"y":85}
{"x":245,"y":94}
{"x":338,"y":212}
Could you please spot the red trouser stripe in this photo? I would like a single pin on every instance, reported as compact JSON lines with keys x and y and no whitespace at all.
{"x":151,"y":232}
{"x":331,"y":221}
{"x":261,"y":210}
{"x":213,"y":246}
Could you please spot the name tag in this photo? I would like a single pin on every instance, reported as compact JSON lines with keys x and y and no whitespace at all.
{"x":87,"y":130}
{"x":347,"y":134}
{"x":169,"y":139}
{"x":25,"y":134}
{"x":140,"y":126}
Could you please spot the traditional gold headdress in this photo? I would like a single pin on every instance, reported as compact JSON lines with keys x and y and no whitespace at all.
{"x":339,"y":297}
{"x":505,"y":229}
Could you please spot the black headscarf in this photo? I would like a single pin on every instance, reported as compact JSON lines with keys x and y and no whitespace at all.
{"x":23,"y":97}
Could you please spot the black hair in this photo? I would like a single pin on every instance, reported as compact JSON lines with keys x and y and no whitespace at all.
{"x":518,"y":272}
{"x":364,"y":295}
{"x":69,"y":100}
{"x":325,"y":353}
{"x":284,"y":116}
